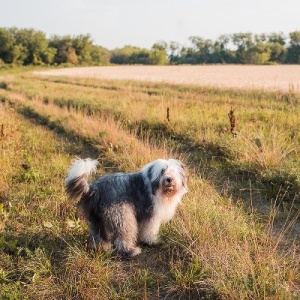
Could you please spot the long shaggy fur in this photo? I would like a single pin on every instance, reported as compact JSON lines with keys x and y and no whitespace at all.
{"x":124,"y":208}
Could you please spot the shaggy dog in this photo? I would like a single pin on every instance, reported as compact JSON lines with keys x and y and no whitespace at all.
{"x":124,"y":208}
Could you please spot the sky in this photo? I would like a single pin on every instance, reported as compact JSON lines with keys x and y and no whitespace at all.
{"x":116,"y":23}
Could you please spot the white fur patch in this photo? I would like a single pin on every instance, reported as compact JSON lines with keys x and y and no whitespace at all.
{"x":82,"y":167}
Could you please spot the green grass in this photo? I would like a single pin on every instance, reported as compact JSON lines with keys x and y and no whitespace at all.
{"x":235,"y":235}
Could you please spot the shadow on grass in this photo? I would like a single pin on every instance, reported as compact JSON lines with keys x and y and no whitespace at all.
{"x":147,"y":273}
{"x":78,"y":145}
{"x":40,"y":263}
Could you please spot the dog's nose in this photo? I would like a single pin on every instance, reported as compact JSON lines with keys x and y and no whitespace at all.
{"x":169,"y":180}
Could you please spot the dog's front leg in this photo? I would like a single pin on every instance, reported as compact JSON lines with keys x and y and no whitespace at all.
{"x":148,"y":232}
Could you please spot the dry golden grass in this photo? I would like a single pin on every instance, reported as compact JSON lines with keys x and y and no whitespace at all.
{"x":113,"y":138}
{"x":215,"y":248}
{"x":278,"y":77}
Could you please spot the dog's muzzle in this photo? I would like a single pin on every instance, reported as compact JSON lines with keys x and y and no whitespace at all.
{"x":168,"y":181}
{"x":169,"y":184}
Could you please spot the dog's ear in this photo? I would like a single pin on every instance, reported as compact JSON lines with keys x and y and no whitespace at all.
{"x":154,"y":185}
{"x":153,"y":180}
{"x":183,"y":175}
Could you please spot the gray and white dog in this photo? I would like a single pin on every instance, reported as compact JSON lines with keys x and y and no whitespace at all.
{"x":124,"y":208}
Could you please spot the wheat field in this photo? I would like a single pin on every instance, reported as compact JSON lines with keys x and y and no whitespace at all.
{"x":277,"y":78}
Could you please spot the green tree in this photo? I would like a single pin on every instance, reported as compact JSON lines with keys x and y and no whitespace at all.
{"x":83,"y":46}
{"x":7,"y":42}
{"x":259,"y":53}
{"x":66,"y":53}
{"x":226,"y":55}
{"x":130,"y":55}
{"x":122,"y":55}
{"x":243,"y":42}
{"x":174,"y":50}
{"x":100,"y":55}
{"x":293,"y":51}
{"x":203,"y":49}
{"x":158,"y":54}
{"x":35,"y":42}
{"x":278,"y":52}
{"x":19,"y":54}
{"x":48,"y":56}
{"x":140,"y":57}
{"x":277,"y":37}
{"x":277,"y":43}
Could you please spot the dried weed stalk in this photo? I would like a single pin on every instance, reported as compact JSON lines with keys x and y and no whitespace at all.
{"x":168,"y":114}
{"x":2,"y":133}
{"x":232,"y":121}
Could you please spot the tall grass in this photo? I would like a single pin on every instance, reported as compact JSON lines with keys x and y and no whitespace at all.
{"x":219,"y":246}
{"x":263,"y":150}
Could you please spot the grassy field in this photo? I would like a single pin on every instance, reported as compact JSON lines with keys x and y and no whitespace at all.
{"x":236,"y":235}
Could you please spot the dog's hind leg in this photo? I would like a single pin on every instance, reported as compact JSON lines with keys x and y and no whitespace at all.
{"x":123,"y":224}
{"x":97,"y":237}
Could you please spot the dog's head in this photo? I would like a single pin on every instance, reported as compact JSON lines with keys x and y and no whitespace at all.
{"x":166,"y":176}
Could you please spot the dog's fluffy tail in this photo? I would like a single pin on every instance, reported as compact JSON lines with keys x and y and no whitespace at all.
{"x":77,"y":179}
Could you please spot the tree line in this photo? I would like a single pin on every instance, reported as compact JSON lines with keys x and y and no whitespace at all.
{"x":32,"y":47}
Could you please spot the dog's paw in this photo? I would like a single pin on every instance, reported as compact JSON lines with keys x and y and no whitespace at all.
{"x":131,"y":252}
{"x":135,"y":251}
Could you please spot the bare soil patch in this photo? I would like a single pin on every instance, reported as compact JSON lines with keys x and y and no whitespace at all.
{"x":279,"y":78}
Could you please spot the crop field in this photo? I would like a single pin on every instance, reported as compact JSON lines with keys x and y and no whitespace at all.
{"x":236,"y":234}
{"x":284,"y":78}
